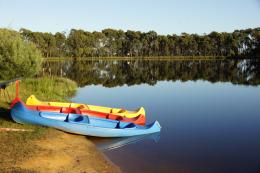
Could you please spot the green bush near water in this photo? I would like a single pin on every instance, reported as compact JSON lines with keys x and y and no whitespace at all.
{"x":18,"y":57}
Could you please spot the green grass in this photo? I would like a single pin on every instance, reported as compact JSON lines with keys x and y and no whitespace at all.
{"x":16,"y":146}
{"x":48,"y":88}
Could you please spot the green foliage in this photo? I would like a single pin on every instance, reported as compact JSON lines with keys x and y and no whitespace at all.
{"x":48,"y":88}
{"x":18,"y":57}
{"x":117,"y":43}
{"x":45,"y":88}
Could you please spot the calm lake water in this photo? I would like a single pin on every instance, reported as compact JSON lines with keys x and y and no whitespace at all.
{"x":209,"y":112}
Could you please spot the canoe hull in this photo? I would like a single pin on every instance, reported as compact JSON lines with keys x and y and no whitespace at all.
{"x":90,"y":126}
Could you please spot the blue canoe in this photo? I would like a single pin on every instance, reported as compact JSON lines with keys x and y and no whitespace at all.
{"x":78,"y":124}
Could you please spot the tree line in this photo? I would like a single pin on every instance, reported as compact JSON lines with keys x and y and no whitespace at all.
{"x":117,"y":43}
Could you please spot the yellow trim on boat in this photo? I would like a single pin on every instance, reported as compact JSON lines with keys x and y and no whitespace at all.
{"x":32,"y":100}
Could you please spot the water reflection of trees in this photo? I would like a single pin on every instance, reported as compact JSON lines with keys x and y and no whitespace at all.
{"x":111,"y":73}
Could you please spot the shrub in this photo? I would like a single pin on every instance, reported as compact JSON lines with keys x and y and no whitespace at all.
{"x":18,"y":58}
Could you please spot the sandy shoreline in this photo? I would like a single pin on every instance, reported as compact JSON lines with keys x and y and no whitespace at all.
{"x":30,"y":149}
{"x":64,"y":152}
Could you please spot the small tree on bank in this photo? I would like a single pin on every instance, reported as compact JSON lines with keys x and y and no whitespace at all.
{"x":18,"y":58}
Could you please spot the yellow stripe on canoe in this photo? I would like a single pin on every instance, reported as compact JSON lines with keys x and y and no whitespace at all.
{"x":32,"y":100}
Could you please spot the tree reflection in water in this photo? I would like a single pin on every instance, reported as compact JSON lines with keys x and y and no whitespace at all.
{"x":111,"y":73}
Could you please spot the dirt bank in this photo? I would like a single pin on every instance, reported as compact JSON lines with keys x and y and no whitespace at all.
{"x":63,"y":152}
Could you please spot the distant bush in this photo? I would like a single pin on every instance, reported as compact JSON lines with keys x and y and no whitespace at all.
{"x":18,"y":58}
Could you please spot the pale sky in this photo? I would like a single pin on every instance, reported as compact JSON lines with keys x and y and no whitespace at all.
{"x":162,"y":16}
